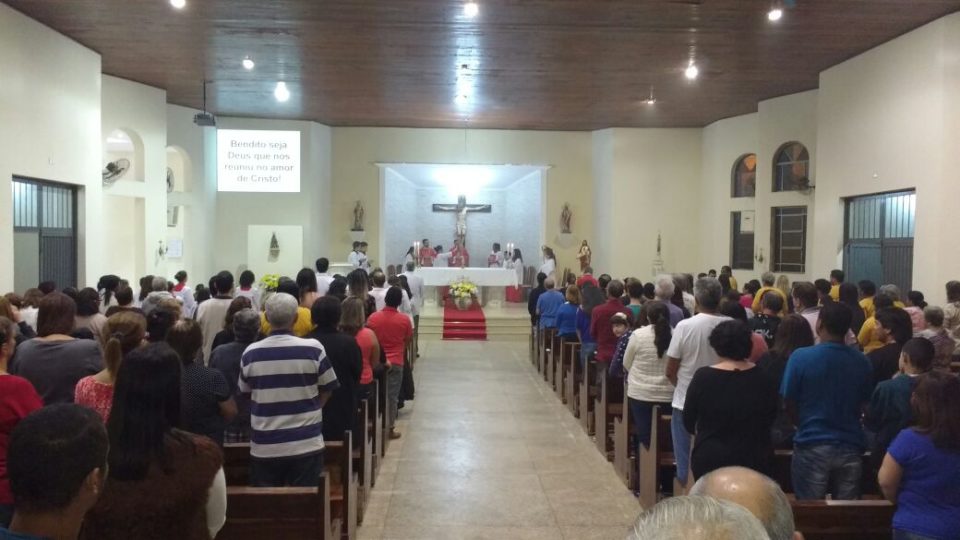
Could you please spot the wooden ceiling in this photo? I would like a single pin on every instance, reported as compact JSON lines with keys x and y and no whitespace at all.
{"x":531,"y":64}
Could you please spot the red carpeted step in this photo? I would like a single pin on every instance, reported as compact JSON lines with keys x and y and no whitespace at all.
{"x":467,"y":324}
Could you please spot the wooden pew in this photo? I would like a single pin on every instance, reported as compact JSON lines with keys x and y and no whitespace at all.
{"x":587,"y":395}
{"x":556,"y":350}
{"x":289,"y":513}
{"x":625,"y":454}
{"x":843,"y":520}
{"x":609,"y":405}
{"x":363,"y":456}
{"x":338,"y":464}
{"x":657,"y":460}
{"x":570,"y":369}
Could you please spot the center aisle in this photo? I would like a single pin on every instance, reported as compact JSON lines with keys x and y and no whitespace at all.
{"x":489,"y":452}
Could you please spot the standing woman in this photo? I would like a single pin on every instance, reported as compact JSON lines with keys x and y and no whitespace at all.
{"x":646,"y":367}
{"x":359,"y":287}
{"x":162,"y":482}
{"x":793,"y":333}
{"x":54,"y":361}
{"x":549,"y":266}
{"x":730,"y":406}
{"x":850,"y":297}
{"x":88,"y":313}
{"x":107,"y":288}
{"x":123,"y":333}
{"x":17,"y":400}
{"x":23,"y":330}
{"x":584,"y":256}
{"x":352,"y":322}
{"x":783,"y":284}
{"x":921,"y":470}
{"x":307,"y":281}
{"x":409,"y":256}
{"x":515,"y":294}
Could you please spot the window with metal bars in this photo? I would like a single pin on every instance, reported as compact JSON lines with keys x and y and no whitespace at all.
{"x":789,"y":253}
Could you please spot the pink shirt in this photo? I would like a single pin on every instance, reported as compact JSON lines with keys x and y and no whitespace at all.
{"x":18,"y":398}
{"x":94,"y":395}
{"x":392,"y":329}
{"x":365,"y":340}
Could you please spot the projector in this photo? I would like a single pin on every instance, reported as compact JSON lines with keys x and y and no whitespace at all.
{"x":205,"y":119}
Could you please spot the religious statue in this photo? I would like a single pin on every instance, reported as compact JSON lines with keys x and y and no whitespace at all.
{"x":462,"y":209}
{"x":274,"y":247}
{"x":358,"y":217}
{"x":565,"y":218}
{"x":584,"y":255}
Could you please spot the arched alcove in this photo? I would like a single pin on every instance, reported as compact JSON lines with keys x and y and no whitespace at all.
{"x":178,"y":170}
{"x":124,"y":144}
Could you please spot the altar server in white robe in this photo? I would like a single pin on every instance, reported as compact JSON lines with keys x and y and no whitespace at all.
{"x":549,"y":266}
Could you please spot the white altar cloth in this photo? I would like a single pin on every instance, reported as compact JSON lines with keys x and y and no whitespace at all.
{"x":482,"y":277}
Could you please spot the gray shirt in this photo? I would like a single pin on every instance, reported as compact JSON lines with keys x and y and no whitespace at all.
{"x":54,"y":367}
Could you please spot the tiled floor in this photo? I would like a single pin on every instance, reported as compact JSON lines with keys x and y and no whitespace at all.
{"x":489,"y":452}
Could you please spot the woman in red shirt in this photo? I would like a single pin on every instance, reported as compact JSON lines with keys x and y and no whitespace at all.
{"x":352,"y":318}
{"x":124,"y":332}
{"x":18,"y":398}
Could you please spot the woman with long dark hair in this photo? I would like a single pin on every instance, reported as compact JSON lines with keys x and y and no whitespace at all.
{"x":921,"y":469}
{"x":792,"y":333}
{"x":358,"y":286}
{"x":162,"y":482}
{"x":850,"y":297}
{"x":307,"y":281}
{"x":646,"y":366}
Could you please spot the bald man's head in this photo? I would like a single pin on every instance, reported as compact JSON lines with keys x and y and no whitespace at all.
{"x":755,"y":492}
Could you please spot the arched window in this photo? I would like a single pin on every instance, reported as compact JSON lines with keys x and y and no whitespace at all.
{"x":791,"y":168}
{"x":744,"y":178}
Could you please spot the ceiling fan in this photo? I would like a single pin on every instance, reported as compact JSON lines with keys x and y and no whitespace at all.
{"x":114,"y":170}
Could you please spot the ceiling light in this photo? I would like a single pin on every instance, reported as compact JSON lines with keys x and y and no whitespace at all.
{"x":461,"y":99}
{"x":248,"y":63}
{"x":471,"y":9}
{"x":775,"y":14}
{"x":692,"y":71}
{"x":281,"y":92}
{"x":650,"y":100}
{"x":179,"y":4}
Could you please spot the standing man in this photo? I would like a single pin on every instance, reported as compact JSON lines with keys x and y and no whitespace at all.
{"x":826,"y":389}
{"x":459,"y":257}
{"x":394,"y":331}
{"x":289,"y":379}
{"x":324,"y":279}
{"x":354,"y":257}
{"x":534,"y":298}
{"x":364,"y":260}
{"x":212,"y":313}
{"x":427,"y":254}
{"x":836,"y":278}
{"x":806,"y":298}
{"x":416,"y":288}
{"x":689,"y":351}
{"x":601,"y":324}
{"x":547,"y":305}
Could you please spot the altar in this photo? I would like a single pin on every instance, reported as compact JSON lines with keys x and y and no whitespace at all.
{"x":490,"y":281}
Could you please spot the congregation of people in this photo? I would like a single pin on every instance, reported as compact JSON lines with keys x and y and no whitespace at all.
{"x":115,"y":404}
{"x":854,"y":379}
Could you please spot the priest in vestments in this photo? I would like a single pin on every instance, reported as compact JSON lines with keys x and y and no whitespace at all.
{"x":459,"y":257}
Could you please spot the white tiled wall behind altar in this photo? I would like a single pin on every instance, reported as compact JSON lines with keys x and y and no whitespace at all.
{"x":515,"y":217}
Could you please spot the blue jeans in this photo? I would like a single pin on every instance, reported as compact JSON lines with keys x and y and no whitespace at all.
{"x":586,"y":350}
{"x":681,"y":445}
{"x":641,"y":413}
{"x":296,"y":471}
{"x":906,"y":535}
{"x":823,"y":468}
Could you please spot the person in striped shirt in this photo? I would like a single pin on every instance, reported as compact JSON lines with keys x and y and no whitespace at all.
{"x":288,"y":379}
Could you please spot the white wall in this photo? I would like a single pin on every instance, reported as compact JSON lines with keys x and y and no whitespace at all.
{"x":199,"y":198}
{"x":888,"y":120}
{"x":141,"y":111}
{"x":400,"y":212}
{"x":310,"y":208}
{"x":524,"y":203}
{"x":50,"y":104}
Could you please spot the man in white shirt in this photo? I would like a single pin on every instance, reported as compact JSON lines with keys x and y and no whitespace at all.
{"x":416,"y":301}
{"x":213,"y":312}
{"x":355,"y":257}
{"x":379,"y":290}
{"x":689,"y":351}
{"x":324,"y":279}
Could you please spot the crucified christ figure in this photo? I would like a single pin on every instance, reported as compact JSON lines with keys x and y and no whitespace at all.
{"x":462,"y":209}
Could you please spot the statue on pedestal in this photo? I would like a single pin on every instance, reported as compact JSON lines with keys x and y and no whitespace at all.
{"x":357,"y":217}
{"x":565,"y":216}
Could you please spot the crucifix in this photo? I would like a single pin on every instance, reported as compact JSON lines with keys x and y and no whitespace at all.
{"x":462,"y":209}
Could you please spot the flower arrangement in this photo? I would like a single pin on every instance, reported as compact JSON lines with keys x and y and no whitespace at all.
{"x":463,"y":288}
{"x":269,"y":282}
